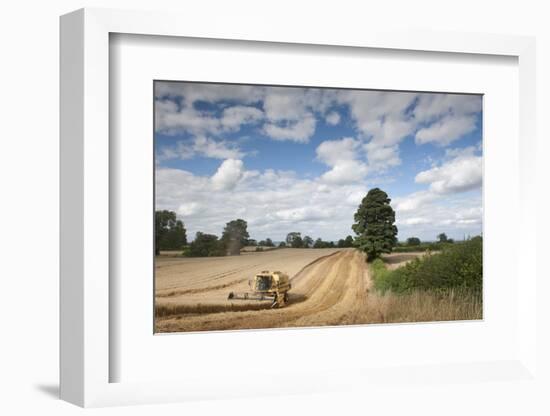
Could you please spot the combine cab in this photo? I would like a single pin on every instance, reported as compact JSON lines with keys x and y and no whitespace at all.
{"x":266,"y":286}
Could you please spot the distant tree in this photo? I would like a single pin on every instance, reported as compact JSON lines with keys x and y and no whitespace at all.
{"x":450,"y":240}
{"x":252,"y":242}
{"x":307,"y":241}
{"x":375,"y":224}
{"x":341,"y":243}
{"x":413,"y":241}
{"x":170,"y":233}
{"x":442,"y":238}
{"x":205,"y":245}
{"x":290,"y":237}
{"x":235,"y":236}
{"x":349,"y":241}
{"x":331,"y":244}
{"x":297,"y":242}
{"x":318,"y":243}
{"x":269,"y":242}
{"x":282,"y":244}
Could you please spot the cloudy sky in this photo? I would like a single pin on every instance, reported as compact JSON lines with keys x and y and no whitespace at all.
{"x":301,"y":159}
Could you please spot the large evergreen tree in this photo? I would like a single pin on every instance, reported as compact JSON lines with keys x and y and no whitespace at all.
{"x":375,"y":224}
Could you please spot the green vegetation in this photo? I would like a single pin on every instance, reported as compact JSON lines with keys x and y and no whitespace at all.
{"x":375,"y":225}
{"x":235,"y":236}
{"x":170,"y":233}
{"x":347,"y":242}
{"x":205,"y":245}
{"x":405,"y":248}
{"x":459,"y":267}
{"x":294,"y":240}
{"x":319,"y":243}
{"x":266,"y":243}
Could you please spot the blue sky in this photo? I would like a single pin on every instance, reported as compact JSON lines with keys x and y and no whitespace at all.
{"x":300,"y":159}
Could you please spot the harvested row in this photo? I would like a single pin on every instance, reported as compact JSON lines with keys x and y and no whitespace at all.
{"x":204,"y":282}
{"x":329,"y":291}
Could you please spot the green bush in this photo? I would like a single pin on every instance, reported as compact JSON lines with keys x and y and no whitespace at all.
{"x":459,"y":265}
{"x":205,"y":245}
{"x":405,"y":248}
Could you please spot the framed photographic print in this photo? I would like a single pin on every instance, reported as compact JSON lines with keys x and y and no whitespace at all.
{"x":280,"y":206}
{"x":341,"y":199}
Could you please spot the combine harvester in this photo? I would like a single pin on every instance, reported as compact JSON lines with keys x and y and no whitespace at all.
{"x":266,"y":286}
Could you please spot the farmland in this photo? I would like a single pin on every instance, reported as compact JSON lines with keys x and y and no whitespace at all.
{"x":329,"y":287}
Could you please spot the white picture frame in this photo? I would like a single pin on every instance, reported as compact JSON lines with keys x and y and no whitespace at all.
{"x":85,"y":211}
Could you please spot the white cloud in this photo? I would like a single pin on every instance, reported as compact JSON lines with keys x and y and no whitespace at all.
{"x":188,"y":209}
{"x":382,"y":118}
{"x":462,"y":173}
{"x":297,"y":130}
{"x":342,"y":156}
{"x":382,"y":158}
{"x":445,"y":117}
{"x":277,"y":202}
{"x":414,"y":201}
{"x":303,"y":214}
{"x":346,"y":171}
{"x":173,"y":119}
{"x":431,"y":107}
{"x":333,"y":118}
{"x":333,"y":151}
{"x":200,"y":146}
{"x":426,"y":214}
{"x":272,"y":202}
{"x":234,"y":117}
{"x":194,"y":92}
{"x":228,"y":174}
{"x":446,"y":130}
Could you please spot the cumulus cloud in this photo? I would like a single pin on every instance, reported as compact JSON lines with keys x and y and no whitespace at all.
{"x":172,"y":119}
{"x":302,"y":214}
{"x":228,"y":174}
{"x":462,"y":173}
{"x":277,"y":202}
{"x":332,"y":118}
{"x":414,"y":201}
{"x":299,"y":130}
{"x":196,"y":92}
{"x":425,"y":214}
{"x":446,"y":130}
{"x":273,"y":202}
{"x":200,"y":146}
{"x":233,"y":117}
{"x":446,"y":117}
{"x":341,"y":155}
{"x":431,"y":107}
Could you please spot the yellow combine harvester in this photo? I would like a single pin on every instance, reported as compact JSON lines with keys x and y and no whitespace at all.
{"x":267,"y":286}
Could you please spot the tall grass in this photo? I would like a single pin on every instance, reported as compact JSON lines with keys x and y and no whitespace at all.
{"x":423,"y":306}
{"x":442,"y":286}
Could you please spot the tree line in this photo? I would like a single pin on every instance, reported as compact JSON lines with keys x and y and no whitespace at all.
{"x":170,"y":234}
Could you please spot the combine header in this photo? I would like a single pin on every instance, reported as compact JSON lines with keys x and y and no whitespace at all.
{"x":266,"y":286}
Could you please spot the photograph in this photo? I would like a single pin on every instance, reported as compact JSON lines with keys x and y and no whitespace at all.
{"x":301,"y":206}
